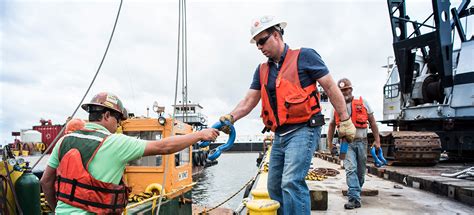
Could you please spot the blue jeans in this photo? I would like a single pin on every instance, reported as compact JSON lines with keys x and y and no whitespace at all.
{"x":354,"y":164}
{"x":290,"y":160}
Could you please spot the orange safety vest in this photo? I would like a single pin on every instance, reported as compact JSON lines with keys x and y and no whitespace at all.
{"x":295,"y":104}
{"x":75,"y":186}
{"x":359,"y":114}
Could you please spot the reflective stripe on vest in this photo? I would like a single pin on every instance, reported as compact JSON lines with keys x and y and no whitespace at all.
{"x":75,"y":186}
{"x":294,"y":104}
{"x":359,"y":115}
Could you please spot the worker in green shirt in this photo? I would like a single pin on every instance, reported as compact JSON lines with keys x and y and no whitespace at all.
{"x":85,"y":171}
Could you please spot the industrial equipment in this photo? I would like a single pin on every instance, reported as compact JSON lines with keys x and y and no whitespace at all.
{"x":429,"y":95}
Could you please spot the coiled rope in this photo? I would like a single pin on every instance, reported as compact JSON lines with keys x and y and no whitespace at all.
{"x":320,"y":174}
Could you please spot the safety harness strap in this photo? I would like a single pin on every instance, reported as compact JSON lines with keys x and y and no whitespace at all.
{"x":57,"y":191}
{"x":73,"y":190}
{"x":74,"y":183}
{"x":94,"y":204}
{"x":315,"y":95}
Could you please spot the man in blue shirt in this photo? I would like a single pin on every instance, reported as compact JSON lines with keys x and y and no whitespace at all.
{"x":286,"y":83}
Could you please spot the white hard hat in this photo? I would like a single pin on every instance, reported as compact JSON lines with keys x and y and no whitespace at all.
{"x":263,"y":23}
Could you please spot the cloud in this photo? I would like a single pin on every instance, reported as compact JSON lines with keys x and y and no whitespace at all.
{"x":50,"y":51}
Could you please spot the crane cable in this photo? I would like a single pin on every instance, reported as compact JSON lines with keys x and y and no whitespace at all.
{"x":90,"y":85}
{"x":185,"y":63}
{"x":180,"y":53}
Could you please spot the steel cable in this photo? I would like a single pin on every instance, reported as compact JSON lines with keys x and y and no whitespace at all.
{"x":181,"y":5}
{"x":90,"y":85}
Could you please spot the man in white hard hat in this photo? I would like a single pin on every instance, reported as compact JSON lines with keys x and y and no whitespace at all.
{"x":286,"y":83}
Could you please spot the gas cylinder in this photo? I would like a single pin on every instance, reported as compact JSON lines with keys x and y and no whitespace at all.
{"x":27,"y":189}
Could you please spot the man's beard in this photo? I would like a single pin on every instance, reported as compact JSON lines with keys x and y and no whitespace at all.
{"x":348,"y":99}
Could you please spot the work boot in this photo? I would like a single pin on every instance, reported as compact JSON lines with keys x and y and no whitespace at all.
{"x":352,"y":204}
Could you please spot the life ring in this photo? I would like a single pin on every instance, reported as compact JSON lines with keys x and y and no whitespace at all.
{"x":198,"y":159}
{"x":40,"y":147}
{"x":203,"y":159}
{"x":155,"y":188}
{"x":195,"y":163}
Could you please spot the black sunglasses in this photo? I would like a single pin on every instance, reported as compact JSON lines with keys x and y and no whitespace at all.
{"x":117,"y":116}
{"x":263,"y":40}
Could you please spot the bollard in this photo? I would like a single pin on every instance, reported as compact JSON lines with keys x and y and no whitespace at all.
{"x":260,"y":194}
{"x":319,"y":199}
{"x":262,"y":207}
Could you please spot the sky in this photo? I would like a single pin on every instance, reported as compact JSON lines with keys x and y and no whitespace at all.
{"x":50,"y":51}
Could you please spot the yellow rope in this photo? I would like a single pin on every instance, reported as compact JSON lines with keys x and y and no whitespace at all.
{"x":144,"y":201}
{"x":153,"y":206}
{"x":154,"y":198}
{"x":45,"y":208}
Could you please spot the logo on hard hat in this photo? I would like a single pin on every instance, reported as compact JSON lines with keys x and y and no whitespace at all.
{"x":112,"y":99}
{"x":256,"y":24}
{"x":341,"y":85}
{"x":266,"y":19}
{"x":108,"y":104}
